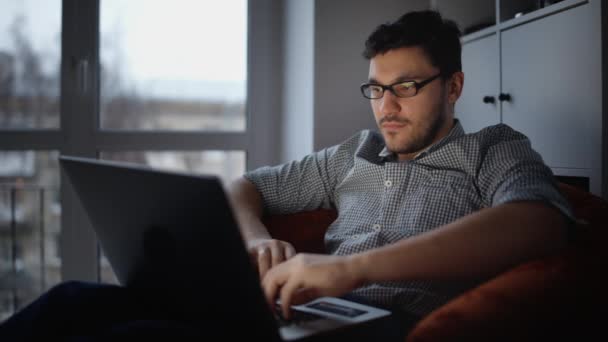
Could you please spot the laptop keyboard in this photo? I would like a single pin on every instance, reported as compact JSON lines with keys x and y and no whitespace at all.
{"x":297,"y":317}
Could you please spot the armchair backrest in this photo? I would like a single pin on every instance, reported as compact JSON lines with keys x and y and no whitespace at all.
{"x":305,"y":231}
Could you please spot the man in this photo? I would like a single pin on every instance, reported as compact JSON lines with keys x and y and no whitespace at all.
{"x":424,"y":210}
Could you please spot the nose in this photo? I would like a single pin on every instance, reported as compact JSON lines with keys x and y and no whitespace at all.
{"x":389,"y":103}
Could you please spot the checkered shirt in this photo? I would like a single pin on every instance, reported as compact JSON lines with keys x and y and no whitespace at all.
{"x":380,"y":200}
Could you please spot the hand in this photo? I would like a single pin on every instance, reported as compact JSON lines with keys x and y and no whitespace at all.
{"x":309,"y":276}
{"x":267,"y":253}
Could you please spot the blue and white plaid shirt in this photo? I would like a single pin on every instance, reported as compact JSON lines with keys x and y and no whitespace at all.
{"x":380,"y":200}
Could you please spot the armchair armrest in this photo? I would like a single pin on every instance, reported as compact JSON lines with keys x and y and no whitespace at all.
{"x":540,"y":300}
{"x":555,"y":298}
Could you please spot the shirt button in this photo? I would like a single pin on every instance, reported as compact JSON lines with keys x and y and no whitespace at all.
{"x":377,"y":227}
{"x":388,"y":183}
{"x":356,"y":236}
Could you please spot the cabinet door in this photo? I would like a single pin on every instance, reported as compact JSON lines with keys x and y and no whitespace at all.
{"x":551,"y":68}
{"x":481,"y":71}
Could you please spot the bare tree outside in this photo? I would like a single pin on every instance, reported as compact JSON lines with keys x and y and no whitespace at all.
{"x":29,"y":92}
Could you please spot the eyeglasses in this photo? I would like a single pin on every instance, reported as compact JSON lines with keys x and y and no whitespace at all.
{"x":375,"y":91}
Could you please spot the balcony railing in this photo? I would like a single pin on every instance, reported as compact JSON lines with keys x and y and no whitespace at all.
{"x":29,"y":232}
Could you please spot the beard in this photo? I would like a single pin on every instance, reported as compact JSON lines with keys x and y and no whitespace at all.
{"x":421,"y":136}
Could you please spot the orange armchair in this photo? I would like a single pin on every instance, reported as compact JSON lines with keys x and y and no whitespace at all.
{"x":557,"y":297}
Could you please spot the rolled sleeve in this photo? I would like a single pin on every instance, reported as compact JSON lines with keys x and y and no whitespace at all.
{"x":512,"y":171}
{"x":306,"y":184}
{"x":296,"y":186}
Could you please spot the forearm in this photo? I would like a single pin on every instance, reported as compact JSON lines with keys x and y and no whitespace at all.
{"x":247,"y":204}
{"x":478,"y":245}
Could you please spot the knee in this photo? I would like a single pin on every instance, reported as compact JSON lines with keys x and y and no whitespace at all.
{"x":67,"y":289}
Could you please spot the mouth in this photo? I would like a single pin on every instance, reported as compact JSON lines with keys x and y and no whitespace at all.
{"x":393,"y":126}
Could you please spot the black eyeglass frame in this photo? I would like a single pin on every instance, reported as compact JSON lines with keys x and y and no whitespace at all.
{"x":417,"y":85}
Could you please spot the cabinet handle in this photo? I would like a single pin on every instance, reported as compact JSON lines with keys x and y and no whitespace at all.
{"x":489,"y":99}
{"x":504,"y":97}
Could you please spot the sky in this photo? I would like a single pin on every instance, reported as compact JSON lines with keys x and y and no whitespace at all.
{"x":188,"y":40}
{"x":150,"y":41}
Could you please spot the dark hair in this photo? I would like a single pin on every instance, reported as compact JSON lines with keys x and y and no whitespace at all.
{"x":438,"y":37}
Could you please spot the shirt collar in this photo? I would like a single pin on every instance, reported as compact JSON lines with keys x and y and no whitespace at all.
{"x":456,"y":132}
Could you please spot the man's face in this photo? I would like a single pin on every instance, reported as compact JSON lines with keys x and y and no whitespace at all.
{"x":409,"y":125}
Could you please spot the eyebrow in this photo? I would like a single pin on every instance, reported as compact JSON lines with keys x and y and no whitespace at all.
{"x":402,"y":78}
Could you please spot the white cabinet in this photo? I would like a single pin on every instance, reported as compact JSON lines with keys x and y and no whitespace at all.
{"x":478,"y":104}
{"x":551,"y":72}
{"x":540,"y":73}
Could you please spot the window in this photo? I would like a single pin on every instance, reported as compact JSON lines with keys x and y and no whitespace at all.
{"x":29,"y":226}
{"x":227,"y":165}
{"x":104,"y":79}
{"x":178,"y":65}
{"x":30,"y":209}
{"x":188,"y":74}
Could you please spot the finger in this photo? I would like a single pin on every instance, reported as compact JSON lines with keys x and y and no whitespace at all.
{"x":287,"y":291}
{"x":270,"y":291}
{"x":289,"y":251}
{"x":277,"y":254}
{"x":271,"y":284}
{"x":263,"y":261}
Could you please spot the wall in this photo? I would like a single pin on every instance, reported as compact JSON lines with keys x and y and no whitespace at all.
{"x":264,"y":81}
{"x":323,"y":68}
{"x":298,"y":68}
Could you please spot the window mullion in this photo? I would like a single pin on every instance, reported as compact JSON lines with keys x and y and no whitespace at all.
{"x":79,"y":99}
{"x":171,"y":141}
{"x":31,"y":140}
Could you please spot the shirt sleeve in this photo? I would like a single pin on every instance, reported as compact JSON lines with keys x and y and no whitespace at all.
{"x":306,"y":184}
{"x":512,"y":171}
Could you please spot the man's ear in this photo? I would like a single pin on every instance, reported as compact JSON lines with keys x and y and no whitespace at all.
{"x":455,"y":84}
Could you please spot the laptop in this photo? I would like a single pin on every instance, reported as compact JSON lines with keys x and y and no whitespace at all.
{"x":174,"y":235}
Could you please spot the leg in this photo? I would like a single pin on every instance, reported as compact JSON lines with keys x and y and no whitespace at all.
{"x":72,"y":308}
